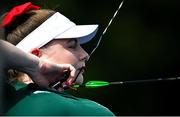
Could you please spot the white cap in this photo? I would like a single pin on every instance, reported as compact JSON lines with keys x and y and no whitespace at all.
{"x":56,"y":27}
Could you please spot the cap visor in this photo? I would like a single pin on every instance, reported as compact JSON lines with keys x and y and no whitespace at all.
{"x":84,"y":32}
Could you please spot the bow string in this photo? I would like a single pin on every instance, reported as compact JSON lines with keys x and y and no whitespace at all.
{"x":106,"y":28}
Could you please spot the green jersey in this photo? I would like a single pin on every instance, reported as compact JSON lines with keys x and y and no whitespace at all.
{"x":29,"y":100}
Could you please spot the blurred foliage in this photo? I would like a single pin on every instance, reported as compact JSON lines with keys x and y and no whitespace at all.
{"x":142,"y":43}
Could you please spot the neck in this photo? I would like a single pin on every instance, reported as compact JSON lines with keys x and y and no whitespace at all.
{"x":25,"y":79}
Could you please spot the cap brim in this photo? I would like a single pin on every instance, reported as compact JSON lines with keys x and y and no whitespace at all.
{"x":83,"y":32}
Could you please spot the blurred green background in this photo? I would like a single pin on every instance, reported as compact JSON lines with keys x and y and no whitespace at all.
{"x":142,"y":43}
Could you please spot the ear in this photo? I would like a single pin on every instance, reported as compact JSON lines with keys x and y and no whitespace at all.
{"x":37,"y":52}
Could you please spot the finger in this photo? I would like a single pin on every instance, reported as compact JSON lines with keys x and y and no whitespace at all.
{"x":72,"y":72}
{"x":71,"y":76}
{"x":70,"y":81}
{"x":67,"y":68}
{"x":70,"y":68}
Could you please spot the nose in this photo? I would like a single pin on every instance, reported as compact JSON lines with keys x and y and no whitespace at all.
{"x":84,"y":56}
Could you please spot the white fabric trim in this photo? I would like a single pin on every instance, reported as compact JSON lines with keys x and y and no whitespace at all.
{"x":49,"y":29}
{"x":57,"y":26}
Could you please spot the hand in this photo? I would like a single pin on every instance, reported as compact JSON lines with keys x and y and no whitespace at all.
{"x":48,"y":72}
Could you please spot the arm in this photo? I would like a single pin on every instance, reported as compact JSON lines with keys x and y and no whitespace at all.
{"x":41,"y":72}
{"x":13,"y":58}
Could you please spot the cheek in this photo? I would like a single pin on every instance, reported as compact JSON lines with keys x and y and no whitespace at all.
{"x":66,"y":57}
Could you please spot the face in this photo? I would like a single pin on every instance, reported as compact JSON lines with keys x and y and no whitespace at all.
{"x":66,"y":51}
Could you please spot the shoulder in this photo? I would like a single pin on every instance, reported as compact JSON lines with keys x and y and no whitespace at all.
{"x":41,"y":102}
{"x":95,"y":108}
{"x":38,"y":102}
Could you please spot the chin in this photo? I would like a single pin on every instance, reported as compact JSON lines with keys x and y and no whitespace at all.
{"x":80,"y":79}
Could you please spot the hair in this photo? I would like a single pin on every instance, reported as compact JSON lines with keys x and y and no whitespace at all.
{"x":25,"y":24}
{"x":20,"y":28}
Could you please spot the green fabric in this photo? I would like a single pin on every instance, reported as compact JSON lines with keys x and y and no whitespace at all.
{"x":30,"y":101}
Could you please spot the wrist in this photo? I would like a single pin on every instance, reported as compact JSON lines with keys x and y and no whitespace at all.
{"x":32,"y":67}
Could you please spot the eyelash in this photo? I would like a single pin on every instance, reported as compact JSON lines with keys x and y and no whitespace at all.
{"x":73,"y":46}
